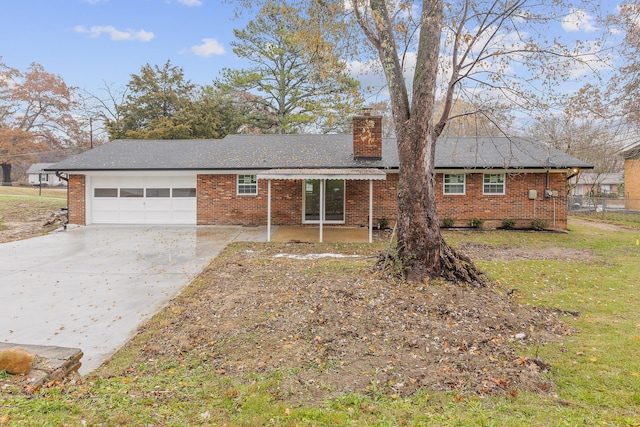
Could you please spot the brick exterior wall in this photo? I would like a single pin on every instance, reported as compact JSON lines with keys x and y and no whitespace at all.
{"x":219,"y":204}
{"x":514,"y":204}
{"x":76,"y":199}
{"x":632,"y":182}
{"x":385,"y":201}
{"x":367,"y":137}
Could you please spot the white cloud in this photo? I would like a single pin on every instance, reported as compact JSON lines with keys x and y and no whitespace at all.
{"x":115,"y":34}
{"x":208,"y":47}
{"x":591,"y":60}
{"x":9,"y":83}
{"x":578,"y":20}
{"x":190,"y":2}
{"x":371,"y":78}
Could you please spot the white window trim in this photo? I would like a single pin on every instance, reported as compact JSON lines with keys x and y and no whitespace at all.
{"x":504,"y":184}
{"x":464,"y":184}
{"x":238,"y":184}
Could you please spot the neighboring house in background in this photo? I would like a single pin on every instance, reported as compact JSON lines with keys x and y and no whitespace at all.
{"x":38,"y":176}
{"x":345,"y":180}
{"x":632,"y":177}
{"x":593,"y":184}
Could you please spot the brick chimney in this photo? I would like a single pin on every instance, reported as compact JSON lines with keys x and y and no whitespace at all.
{"x":367,"y":136}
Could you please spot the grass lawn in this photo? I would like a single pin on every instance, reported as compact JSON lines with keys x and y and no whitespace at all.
{"x":23,"y":210}
{"x":34,"y":192}
{"x":596,"y":369}
{"x":17,"y":202}
{"x":628,"y":219}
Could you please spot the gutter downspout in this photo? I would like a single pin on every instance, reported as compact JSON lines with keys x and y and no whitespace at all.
{"x":61,"y":176}
{"x":64,"y":178}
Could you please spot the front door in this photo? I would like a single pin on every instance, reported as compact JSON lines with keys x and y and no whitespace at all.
{"x":333,"y":200}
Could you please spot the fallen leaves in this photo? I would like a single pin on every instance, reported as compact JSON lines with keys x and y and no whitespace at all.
{"x":329,"y":326}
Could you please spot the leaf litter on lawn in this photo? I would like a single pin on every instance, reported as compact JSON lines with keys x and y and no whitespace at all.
{"x":332,"y":325}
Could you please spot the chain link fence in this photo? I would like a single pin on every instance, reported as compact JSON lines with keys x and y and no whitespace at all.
{"x":602,"y":206}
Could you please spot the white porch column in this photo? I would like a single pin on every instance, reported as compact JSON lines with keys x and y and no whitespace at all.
{"x":268,"y":210}
{"x":370,"y":210}
{"x":322,"y":205}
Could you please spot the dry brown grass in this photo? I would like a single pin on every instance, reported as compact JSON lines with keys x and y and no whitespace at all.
{"x":24,"y":211}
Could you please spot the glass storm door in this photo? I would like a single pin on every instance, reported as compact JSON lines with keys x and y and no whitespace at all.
{"x":333,"y":197}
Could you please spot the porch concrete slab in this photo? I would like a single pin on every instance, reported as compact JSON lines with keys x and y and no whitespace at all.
{"x":91,"y":287}
{"x":312,"y":234}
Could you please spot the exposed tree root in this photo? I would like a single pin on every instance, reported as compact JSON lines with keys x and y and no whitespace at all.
{"x":454,"y":267}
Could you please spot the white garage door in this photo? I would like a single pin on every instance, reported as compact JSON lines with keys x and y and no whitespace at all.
{"x":143,"y":200}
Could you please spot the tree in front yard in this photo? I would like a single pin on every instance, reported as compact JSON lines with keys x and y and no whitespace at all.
{"x":483,"y":49}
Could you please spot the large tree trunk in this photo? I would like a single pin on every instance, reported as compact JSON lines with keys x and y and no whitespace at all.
{"x":6,"y":174}
{"x":424,"y":253}
{"x":421,"y":248}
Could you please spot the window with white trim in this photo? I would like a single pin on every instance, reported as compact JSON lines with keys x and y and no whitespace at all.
{"x":454,"y":183}
{"x":493,"y":183}
{"x":247,"y":185}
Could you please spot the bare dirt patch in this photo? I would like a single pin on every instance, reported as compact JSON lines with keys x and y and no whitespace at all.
{"x":599,"y":224}
{"x":487,"y":252}
{"x":329,"y":326}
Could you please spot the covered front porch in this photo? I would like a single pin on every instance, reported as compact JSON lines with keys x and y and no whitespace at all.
{"x":319,"y":208}
{"x":310,"y":234}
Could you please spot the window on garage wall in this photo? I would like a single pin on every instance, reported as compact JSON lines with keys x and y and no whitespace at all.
{"x":158,"y":192}
{"x":132,"y":192}
{"x":105,"y":192}
{"x":184,"y":192}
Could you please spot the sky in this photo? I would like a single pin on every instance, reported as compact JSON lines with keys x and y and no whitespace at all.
{"x":92,"y":42}
{"x":89,"y":42}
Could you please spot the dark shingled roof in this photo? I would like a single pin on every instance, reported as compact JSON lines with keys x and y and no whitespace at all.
{"x":260,"y":152}
{"x":632,"y":152}
{"x":502,"y":153}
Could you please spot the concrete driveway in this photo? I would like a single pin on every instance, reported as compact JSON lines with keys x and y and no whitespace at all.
{"x":91,"y":287}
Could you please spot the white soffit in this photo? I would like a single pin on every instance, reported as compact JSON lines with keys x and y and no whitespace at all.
{"x":346,"y":174}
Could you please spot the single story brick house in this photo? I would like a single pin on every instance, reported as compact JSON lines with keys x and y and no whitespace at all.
{"x":347,"y":180}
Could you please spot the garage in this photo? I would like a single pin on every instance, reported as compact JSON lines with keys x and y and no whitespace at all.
{"x":141,"y":199}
